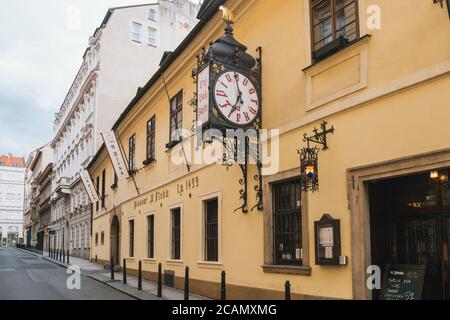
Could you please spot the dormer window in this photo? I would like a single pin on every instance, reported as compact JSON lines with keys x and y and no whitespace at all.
{"x":152,"y":15}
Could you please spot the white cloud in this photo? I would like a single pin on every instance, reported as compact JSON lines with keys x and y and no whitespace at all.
{"x":40,"y":54}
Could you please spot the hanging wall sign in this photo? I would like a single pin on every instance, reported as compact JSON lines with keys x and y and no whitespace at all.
{"x":115,"y":155}
{"x":203,"y":95}
{"x":89,"y":186}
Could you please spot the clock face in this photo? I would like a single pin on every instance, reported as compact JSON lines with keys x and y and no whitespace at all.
{"x":236,"y":98}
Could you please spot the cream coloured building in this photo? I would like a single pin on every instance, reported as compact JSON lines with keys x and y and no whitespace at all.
{"x":377,"y":71}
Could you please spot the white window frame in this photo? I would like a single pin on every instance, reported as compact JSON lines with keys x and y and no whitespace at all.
{"x":150,"y":30}
{"x":134,"y":238}
{"x":133,"y":34}
{"x":203,"y":198}
{"x":154,"y":236}
{"x":173,"y":207}
{"x":152,"y":15}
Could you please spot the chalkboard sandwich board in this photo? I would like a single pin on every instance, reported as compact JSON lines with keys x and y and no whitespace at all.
{"x":403,"y":282}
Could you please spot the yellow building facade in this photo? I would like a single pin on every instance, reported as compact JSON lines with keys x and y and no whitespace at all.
{"x":386,"y":91}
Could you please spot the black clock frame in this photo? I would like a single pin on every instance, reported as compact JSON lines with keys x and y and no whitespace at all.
{"x":225,"y":120}
{"x":218,"y":121}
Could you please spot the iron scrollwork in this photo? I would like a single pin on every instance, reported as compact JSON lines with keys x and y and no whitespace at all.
{"x":309,"y":157}
{"x":228,"y":54}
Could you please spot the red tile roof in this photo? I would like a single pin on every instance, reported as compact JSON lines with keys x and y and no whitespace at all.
{"x":11,"y":161}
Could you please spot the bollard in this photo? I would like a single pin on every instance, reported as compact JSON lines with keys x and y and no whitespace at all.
{"x":140,"y":276}
{"x":64,"y":256}
{"x":287,"y":291}
{"x":68,"y":254}
{"x":112,"y":268}
{"x":186,"y":284}
{"x":124,"y":271}
{"x":223,"y":287}
{"x":160,"y":280}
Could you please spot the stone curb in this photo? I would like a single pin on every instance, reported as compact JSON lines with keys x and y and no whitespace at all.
{"x":139,"y":295}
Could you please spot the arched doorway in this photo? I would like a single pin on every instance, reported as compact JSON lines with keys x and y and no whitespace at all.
{"x":115,"y":240}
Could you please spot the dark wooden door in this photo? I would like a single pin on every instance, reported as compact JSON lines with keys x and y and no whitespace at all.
{"x":424,"y":240}
{"x":445,"y":257}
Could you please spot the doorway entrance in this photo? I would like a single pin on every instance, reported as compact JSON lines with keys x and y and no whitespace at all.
{"x":115,"y":240}
{"x":410,"y":224}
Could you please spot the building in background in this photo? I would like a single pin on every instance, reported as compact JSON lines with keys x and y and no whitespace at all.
{"x":122,"y":54}
{"x":12,"y":172}
{"x":27,"y":198}
{"x":41,"y":191}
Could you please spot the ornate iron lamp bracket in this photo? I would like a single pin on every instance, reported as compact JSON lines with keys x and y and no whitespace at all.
{"x":319,"y":137}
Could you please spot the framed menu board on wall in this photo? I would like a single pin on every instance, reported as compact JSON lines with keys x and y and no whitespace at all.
{"x":327,"y":240}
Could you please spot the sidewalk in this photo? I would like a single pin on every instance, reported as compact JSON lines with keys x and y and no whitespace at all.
{"x":85,"y":266}
{"x":148,"y":288}
{"x":98,"y":273}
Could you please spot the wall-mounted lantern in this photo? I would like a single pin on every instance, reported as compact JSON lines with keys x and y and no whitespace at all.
{"x":309,"y":157}
{"x":309,"y":163}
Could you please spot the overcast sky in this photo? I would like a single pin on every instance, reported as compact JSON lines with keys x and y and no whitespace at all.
{"x":41,"y":48}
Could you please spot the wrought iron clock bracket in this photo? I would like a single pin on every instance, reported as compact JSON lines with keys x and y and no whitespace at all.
{"x":258,"y":177}
{"x":229,"y":162}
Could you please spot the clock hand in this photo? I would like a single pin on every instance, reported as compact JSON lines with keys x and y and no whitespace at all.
{"x":237,"y":85}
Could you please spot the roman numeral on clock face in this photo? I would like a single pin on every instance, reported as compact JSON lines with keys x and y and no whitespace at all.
{"x":221,"y":93}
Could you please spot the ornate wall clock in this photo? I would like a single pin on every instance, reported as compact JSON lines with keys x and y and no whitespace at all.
{"x":229,"y":97}
{"x":228,"y":85}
